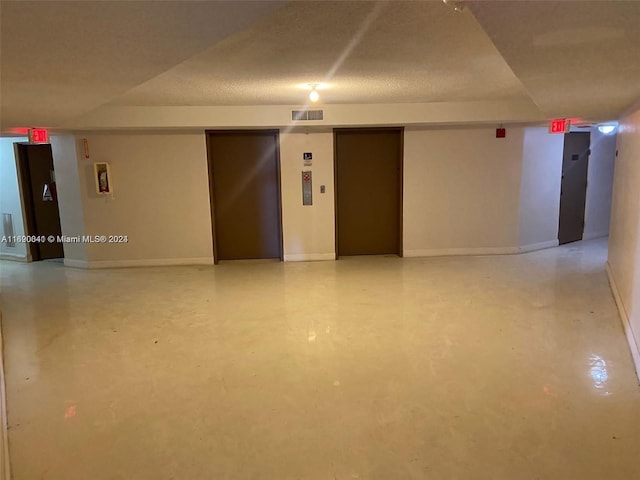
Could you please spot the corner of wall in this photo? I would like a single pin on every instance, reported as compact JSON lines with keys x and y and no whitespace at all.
{"x":623,"y":263}
{"x":539,"y":189}
{"x":597,"y":212}
{"x":5,"y":463}
{"x":65,"y":159}
{"x":634,"y":345}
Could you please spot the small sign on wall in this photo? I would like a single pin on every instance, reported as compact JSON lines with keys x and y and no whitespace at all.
{"x":102,"y":177}
{"x":38,"y":135}
{"x":560,"y":125}
{"x":307,"y":158}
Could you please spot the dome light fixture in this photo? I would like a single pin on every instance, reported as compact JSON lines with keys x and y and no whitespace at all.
{"x":606,"y":129}
{"x":313,"y":89}
{"x":314,"y":96}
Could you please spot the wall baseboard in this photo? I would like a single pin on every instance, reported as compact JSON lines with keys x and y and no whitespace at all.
{"x":532,"y":247}
{"x":68,"y":262}
{"x":478,"y":251}
{"x":445,"y":252}
{"x":5,"y":462}
{"x":592,"y":235}
{"x":13,"y":256}
{"x":306,"y":257}
{"x":146,"y":262}
{"x":626,"y":324}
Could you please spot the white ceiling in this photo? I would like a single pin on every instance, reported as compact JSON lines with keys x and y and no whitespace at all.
{"x":61,"y":60}
{"x":367,"y":52}
{"x":579,"y":59}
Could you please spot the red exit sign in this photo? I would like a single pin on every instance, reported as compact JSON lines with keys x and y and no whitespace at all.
{"x":559,"y":125}
{"x":38,"y":135}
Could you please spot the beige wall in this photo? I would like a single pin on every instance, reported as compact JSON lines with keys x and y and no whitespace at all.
{"x":465,"y":192}
{"x":461,"y":191}
{"x":279,"y":116}
{"x":540,"y":188}
{"x":599,"y":184}
{"x":309,"y":231}
{"x":70,"y":201}
{"x":624,"y":237}
{"x":160,"y":199}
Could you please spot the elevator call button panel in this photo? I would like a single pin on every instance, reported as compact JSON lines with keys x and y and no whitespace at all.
{"x":307,"y":196}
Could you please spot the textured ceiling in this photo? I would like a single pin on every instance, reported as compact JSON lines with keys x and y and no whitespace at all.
{"x":61,"y":60}
{"x":367,"y":52}
{"x":574,"y":58}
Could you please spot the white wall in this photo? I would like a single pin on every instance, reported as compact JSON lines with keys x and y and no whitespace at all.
{"x":308,"y":231}
{"x":540,"y":188}
{"x":171,"y":222}
{"x":465,"y":192}
{"x":63,"y":148}
{"x":279,"y":116}
{"x":461,"y":191}
{"x":10,"y":196}
{"x":624,"y":237}
{"x":160,"y":199}
{"x":599,"y":185}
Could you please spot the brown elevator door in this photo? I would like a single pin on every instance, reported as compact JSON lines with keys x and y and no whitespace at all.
{"x":40,"y":199}
{"x":244,"y":177}
{"x":573,"y":190}
{"x":368,"y":191}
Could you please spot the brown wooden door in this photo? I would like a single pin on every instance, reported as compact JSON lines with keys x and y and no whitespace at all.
{"x":244,"y":179}
{"x":368,"y":171}
{"x":40,"y":198}
{"x":573,"y":190}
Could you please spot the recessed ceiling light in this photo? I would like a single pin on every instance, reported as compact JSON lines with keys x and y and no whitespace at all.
{"x":606,"y":129}
{"x":314,"y":96}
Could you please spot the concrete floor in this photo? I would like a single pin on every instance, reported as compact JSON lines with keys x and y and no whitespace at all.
{"x":509,"y":367}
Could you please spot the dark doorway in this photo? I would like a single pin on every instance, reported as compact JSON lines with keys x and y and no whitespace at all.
{"x":38,"y":184}
{"x":573,"y":189}
{"x":244,"y":183}
{"x":368,"y":177}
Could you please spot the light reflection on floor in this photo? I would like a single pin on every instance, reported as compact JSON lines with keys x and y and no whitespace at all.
{"x":483,"y":368}
{"x":598,"y":373}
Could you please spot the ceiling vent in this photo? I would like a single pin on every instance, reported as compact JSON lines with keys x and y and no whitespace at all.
{"x":307,"y":115}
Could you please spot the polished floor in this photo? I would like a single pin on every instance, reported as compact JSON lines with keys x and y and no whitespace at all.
{"x":504,"y":367}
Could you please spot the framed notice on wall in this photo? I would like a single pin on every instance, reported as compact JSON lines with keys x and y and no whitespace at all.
{"x":102,"y":177}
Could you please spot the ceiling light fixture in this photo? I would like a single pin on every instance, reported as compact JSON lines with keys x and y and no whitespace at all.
{"x":457,"y":5}
{"x":606,"y":129}
{"x":313,"y":89}
{"x":314,"y":96}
